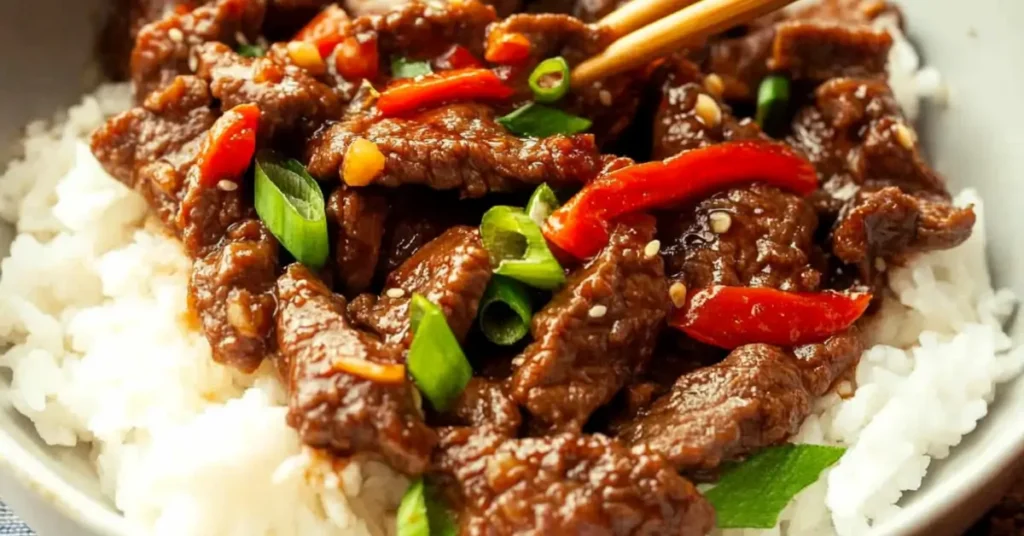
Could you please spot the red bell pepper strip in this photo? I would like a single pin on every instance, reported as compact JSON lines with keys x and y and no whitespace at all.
{"x":326,"y":30}
{"x":729,"y":317}
{"x":580,"y":227}
{"x":508,"y":48}
{"x":357,"y":60}
{"x":430,"y":90}
{"x":457,"y":57}
{"x":229,"y":145}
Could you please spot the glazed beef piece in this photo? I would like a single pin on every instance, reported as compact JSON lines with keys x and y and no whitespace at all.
{"x":416,"y":218}
{"x":755,"y":398}
{"x":585,"y":10}
{"x":333,"y":409}
{"x":888,"y":201}
{"x":452,"y":271}
{"x":565,"y":484}
{"x":231,"y":290}
{"x":357,"y":221}
{"x":456,"y":147}
{"x":484,"y":404}
{"x":820,"y":51}
{"x":426,"y":29}
{"x":597,"y":331}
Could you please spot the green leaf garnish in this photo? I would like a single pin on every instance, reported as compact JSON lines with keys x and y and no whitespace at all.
{"x":405,"y":68}
{"x":753,"y":493}
{"x":539,"y":121}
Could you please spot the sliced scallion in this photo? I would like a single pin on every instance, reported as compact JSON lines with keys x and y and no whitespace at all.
{"x":423,"y":513}
{"x":541,"y":204}
{"x":539,"y":121}
{"x":549,"y":81}
{"x":251,"y":51}
{"x":291,"y":205}
{"x":772,"y":102}
{"x":518,"y":249}
{"x":406,"y":68}
{"x":505,"y":311}
{"x":436,"y":362}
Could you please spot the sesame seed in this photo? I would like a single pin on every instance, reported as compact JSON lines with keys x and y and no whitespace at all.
{"x":708,"y":110}
{"x":176,"y":35}
{"x":880,"y":264}
{"x":395,"y":293}
{"x":227,"y":186}
{"x":905,"y":136}
{"x":193,"y":63}
{"x":720,"y":222}
{"x":652,"y":248}
{"x":677,"y":292}
{"x":597,"y":311}
{"x":714,"y":85}
{"x":605,"y":96}
{"x":241,"y":38}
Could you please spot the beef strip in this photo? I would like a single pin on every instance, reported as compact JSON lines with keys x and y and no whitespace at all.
{"x":594,"y":334}
{"x":755,"y":398}
{"x":457,"y":147}
{"x":357,"y":219}
{"x":332,"y":409}
{"x":820,"y":51}
{"x":231,"y":290}
{"x":565,"y":484}
{"x":452,"y":271}
{"x":484,"y":404}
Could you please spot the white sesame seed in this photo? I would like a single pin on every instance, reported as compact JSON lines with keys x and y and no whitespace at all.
{"x":708,"y":110}
{"x":758,"y":211}
{"x":605,"y":96}
{"x":241,"y":38}
{"x":395,"y":293}
{"x":227,"y":186}
{"x":176,"y":35}
{"x":720,"y":221}
{"x":193,"y":63}
{"x":846,"y":191}
{"x":597,"y":311}
{"x":652,"y":248}
{"x":905,"y":136}
{"x":714,"y":85}
{"x":678,"y":294}
{"x":880,"y":264}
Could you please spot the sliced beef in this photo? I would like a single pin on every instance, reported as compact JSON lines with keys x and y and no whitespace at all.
{"x":425,"y":29}
{"x":416,"y":219}
{"x":484,"y":404}
{"x":452,"y":271}
{"x":330,"y":408}
{"x":820,"y":51}
{"x":357,"y":219}
{"x":565,"y":484}
{"x":594,"y":334}
{"x":231,"y":290}
{"x":457,"y":147}
{"x":755,"y":398}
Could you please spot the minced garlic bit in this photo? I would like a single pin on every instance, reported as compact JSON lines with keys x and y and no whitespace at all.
{"x":844,"y":389}
{"x":598,"y":311}
{"x":677,"y":292}
{"x":708,"y":110}
{"x":227,"y":186}
{"x":720,"y":221}
{"x":714,"y":85}
{"x":395,"y":293}
{"x":605,"y":96}
{"x":176,"y":35}
{"x":363,"y":162}
{"x":652,"y":248}
{"x":241,"y":38}
{"x":306,"y":55}
{"x":905,"y":136}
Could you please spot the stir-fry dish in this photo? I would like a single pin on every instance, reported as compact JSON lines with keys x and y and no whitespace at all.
{"x":554,"y":306}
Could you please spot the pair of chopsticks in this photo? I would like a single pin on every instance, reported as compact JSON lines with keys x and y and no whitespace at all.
{"x":649,"y":29}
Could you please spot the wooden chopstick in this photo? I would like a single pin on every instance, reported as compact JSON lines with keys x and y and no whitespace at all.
{"x":640,"y":13}
{"x":689,"y":25}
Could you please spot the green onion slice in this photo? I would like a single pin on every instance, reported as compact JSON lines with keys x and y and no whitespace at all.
{"x":539,"y":121}
{"x":550,"y":80}
{"x":518,"y":249}
{"x":541,"y":204}
{"x":405,"y":68}
{"x":291,"y":205}
{"x":772,"y":101}
{"x":753,"y":493}
{"x":251,"y":51}
{"x":422,"y":513}
{"x":505,"y":311}
{"x":436,"y":362}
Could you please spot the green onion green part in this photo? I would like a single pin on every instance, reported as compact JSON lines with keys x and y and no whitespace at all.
{"x":405,"y":68}
{"x":505,"y":311}
{"x":442,"y":520}
{"x":753,"y":493}
{"x":541,"y":204}
{"x":518,"y":249}
{"x":549,"y":81}
{"x":436,"y":362}
{"x":539,"y":121}
{"x":251,"y":51}
{"x":291,"y":205}
{"x":772,"y":102}
{"x":412,"y":518}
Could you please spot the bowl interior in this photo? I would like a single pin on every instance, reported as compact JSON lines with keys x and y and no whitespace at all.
{"x":974,"y":142}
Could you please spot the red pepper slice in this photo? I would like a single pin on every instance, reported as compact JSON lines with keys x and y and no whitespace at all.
{"x":357,"y":60}
{"x":326,"y":30}
{"x":508,"y":48}
{"x":580,"y":227}
{"x":229,"y":145}
{"x":464,"y":84}
{"x":729,"y":317}
{"x":457,"y":57}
